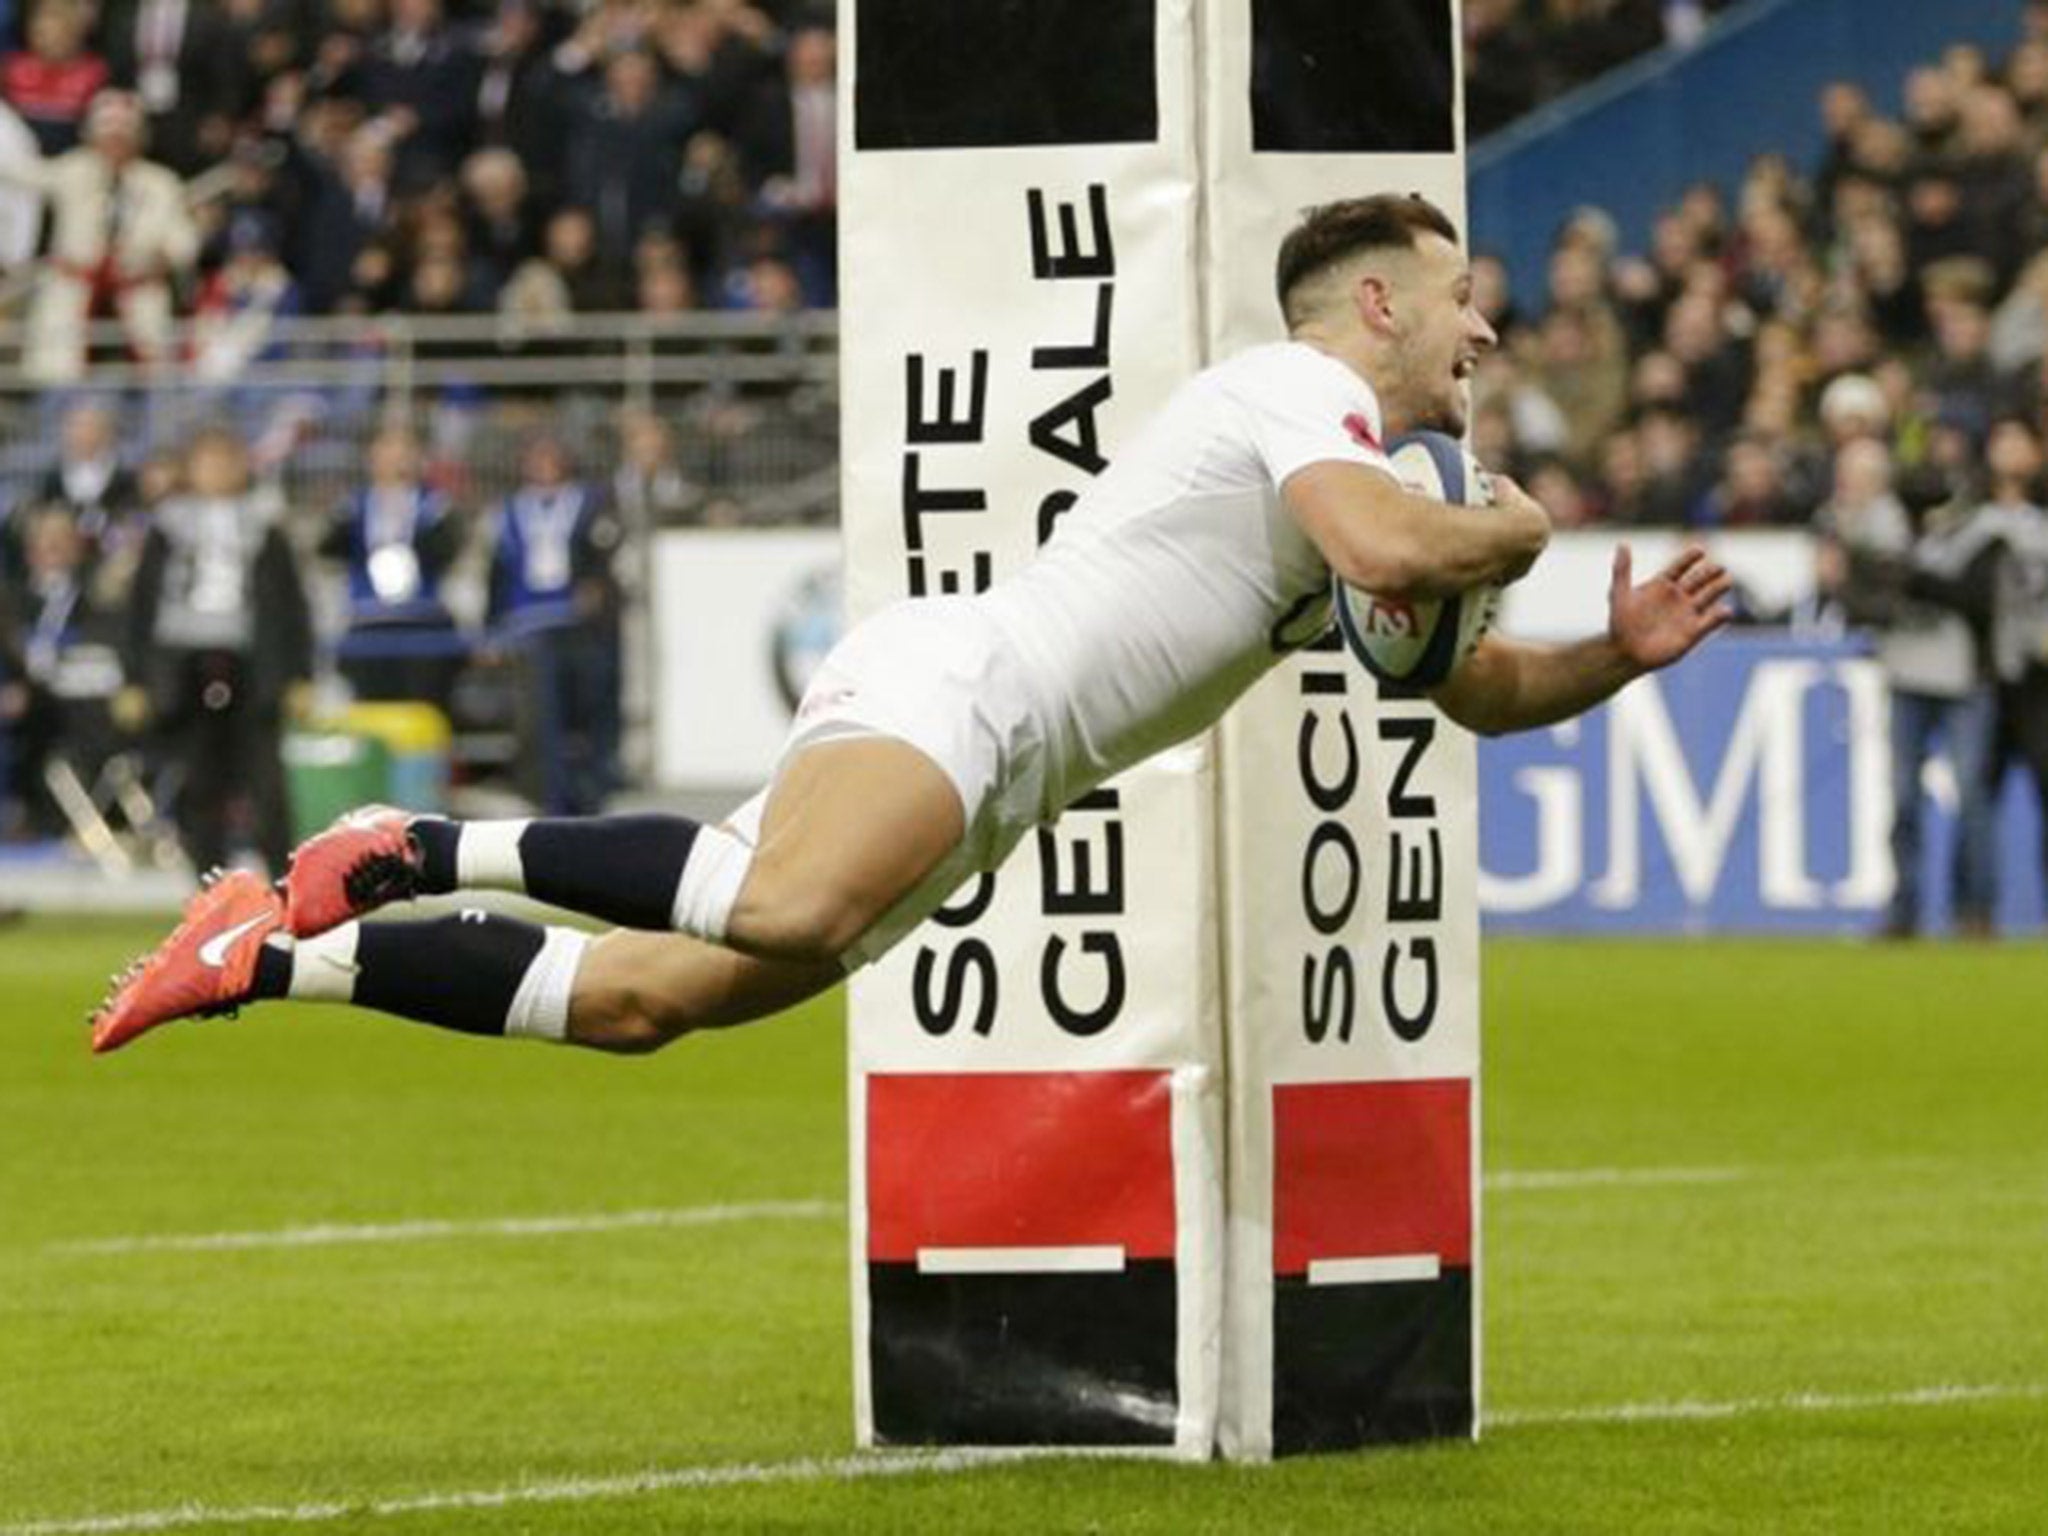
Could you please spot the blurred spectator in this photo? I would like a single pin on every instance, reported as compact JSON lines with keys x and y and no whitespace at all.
{"x":714,"y":214}
{"x":567,"y":269}
{"x":187,"y":65}
{"x":1753,"y":490}
{"x":664,"y":290}
{"x":625,"y":152}
{"x":341,"y":186}
{"x":59,"y":664}
{"x":1503,"y":64}
{"x":1920,"y":592}
{"x":120,"y":236}
{"x":88,"y":479}
{"x":21,"y":200}
{"x":789,"y":143}
{"x":768,"y":285}
{"x":2019,"y":623}
{"x":219,"y":649}
{"x":649,"y":488}
{"x":1960,"y":381}
{"x":502,"y":231}
{"x":420,"y":77}
{"x":241,"y":303}
{"x":1672,"y":465}
{"x":52,"y":81}
{"x":554,"y":607}
{"x":396,"y":539}
{"x":520,"y":98}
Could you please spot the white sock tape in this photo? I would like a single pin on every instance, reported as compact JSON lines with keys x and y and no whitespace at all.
{"x":540,"y":1008}
{"x":324,"y":967}
{"x":710,"y":883}
{"x":487,"y":856}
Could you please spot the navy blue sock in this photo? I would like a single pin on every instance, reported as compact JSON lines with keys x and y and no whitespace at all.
{"x":273,"y":976}
{"x":621,"y":869}
{"x":435,"y":838}
{"x":456,"y":973}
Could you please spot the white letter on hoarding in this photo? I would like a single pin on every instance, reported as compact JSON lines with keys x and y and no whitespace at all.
{"x":1767,"y":745}
{"x":1560,"y":845}
{"x":1868,"y":882}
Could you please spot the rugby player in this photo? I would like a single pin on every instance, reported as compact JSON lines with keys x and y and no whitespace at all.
{"x":939,"y":731}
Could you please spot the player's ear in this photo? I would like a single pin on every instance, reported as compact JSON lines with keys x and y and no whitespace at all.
{"x":1373,"y":297}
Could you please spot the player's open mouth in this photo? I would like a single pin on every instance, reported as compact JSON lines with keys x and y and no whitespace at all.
{"x":1462,"y":369}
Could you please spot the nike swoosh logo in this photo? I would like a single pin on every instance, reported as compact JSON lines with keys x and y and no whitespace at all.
{"x":213,"y":954}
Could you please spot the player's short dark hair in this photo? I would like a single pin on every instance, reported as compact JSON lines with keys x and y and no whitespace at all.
{"x":1336,"y":231}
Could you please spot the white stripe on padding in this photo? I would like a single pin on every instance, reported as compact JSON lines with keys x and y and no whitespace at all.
{"x":1105,"y":1260}
{"x":328,"y":1235}
{"x":1400,"y":1266}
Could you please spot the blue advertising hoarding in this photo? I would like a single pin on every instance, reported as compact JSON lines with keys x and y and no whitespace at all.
{"x":1747,"y":790}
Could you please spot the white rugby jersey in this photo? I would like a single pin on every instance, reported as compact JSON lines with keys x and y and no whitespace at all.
{"x":1178,"y":579}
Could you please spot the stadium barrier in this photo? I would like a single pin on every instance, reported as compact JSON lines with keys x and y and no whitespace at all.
{"x":1748,"y":791}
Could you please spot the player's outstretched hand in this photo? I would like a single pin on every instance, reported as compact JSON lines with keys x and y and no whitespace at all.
{"x":1659,"y":621}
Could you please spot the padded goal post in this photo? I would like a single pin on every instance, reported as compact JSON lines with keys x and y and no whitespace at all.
{"x":1142,"y":1152}
{"x":1035,"y":1100}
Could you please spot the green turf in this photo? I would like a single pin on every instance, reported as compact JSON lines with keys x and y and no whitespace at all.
{"x":1887,"y":1111}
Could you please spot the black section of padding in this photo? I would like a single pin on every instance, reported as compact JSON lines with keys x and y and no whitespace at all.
{"x":976,"y":74}
{"x":1365,"y":77}
{"x":1362,"y":1364}
{"x":1037,"y":1359}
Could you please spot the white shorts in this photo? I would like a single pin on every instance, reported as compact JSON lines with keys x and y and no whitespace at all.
{"x":935,"y":673}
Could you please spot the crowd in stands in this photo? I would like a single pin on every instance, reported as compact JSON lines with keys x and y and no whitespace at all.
{"x":1857,"y":348}
{"x":440,"y":157}
{"x":1521,"y":53}
{"x":1705,"y":381}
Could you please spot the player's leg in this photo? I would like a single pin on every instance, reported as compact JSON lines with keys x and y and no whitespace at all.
{"x":850,"y":827}
{"x":483,"y":974}
{"x":636,"y":992}
{"x":472,"y":972}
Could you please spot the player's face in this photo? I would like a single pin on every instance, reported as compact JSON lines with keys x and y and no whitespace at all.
{"x":1443,"y":336}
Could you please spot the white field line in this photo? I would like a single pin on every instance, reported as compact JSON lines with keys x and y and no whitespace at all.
{"x":585,"y":1490}
{"x":1605,"y":1178}
{"x":1742,"y":1408}
{"x":328,"y":1234}
{"x":576,"y":1490}
{"x":333,"y":1234}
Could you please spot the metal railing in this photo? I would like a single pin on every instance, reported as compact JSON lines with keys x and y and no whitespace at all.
{"x":752,"y":399}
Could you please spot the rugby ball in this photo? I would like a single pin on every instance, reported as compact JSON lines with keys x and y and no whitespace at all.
{"x":1417,"y":643}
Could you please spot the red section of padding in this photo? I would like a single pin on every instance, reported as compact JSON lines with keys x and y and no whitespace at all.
{"x":1019,"y":1159}
{"x":1372,"y":1170}
{"x":1361,"y":432}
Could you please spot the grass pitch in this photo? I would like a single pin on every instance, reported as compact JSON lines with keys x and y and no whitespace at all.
{"x":1842,"y":1269}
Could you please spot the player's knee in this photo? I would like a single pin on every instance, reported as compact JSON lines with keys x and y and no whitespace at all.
{"x":812,"y":924}
{"x":627,"y":1020}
